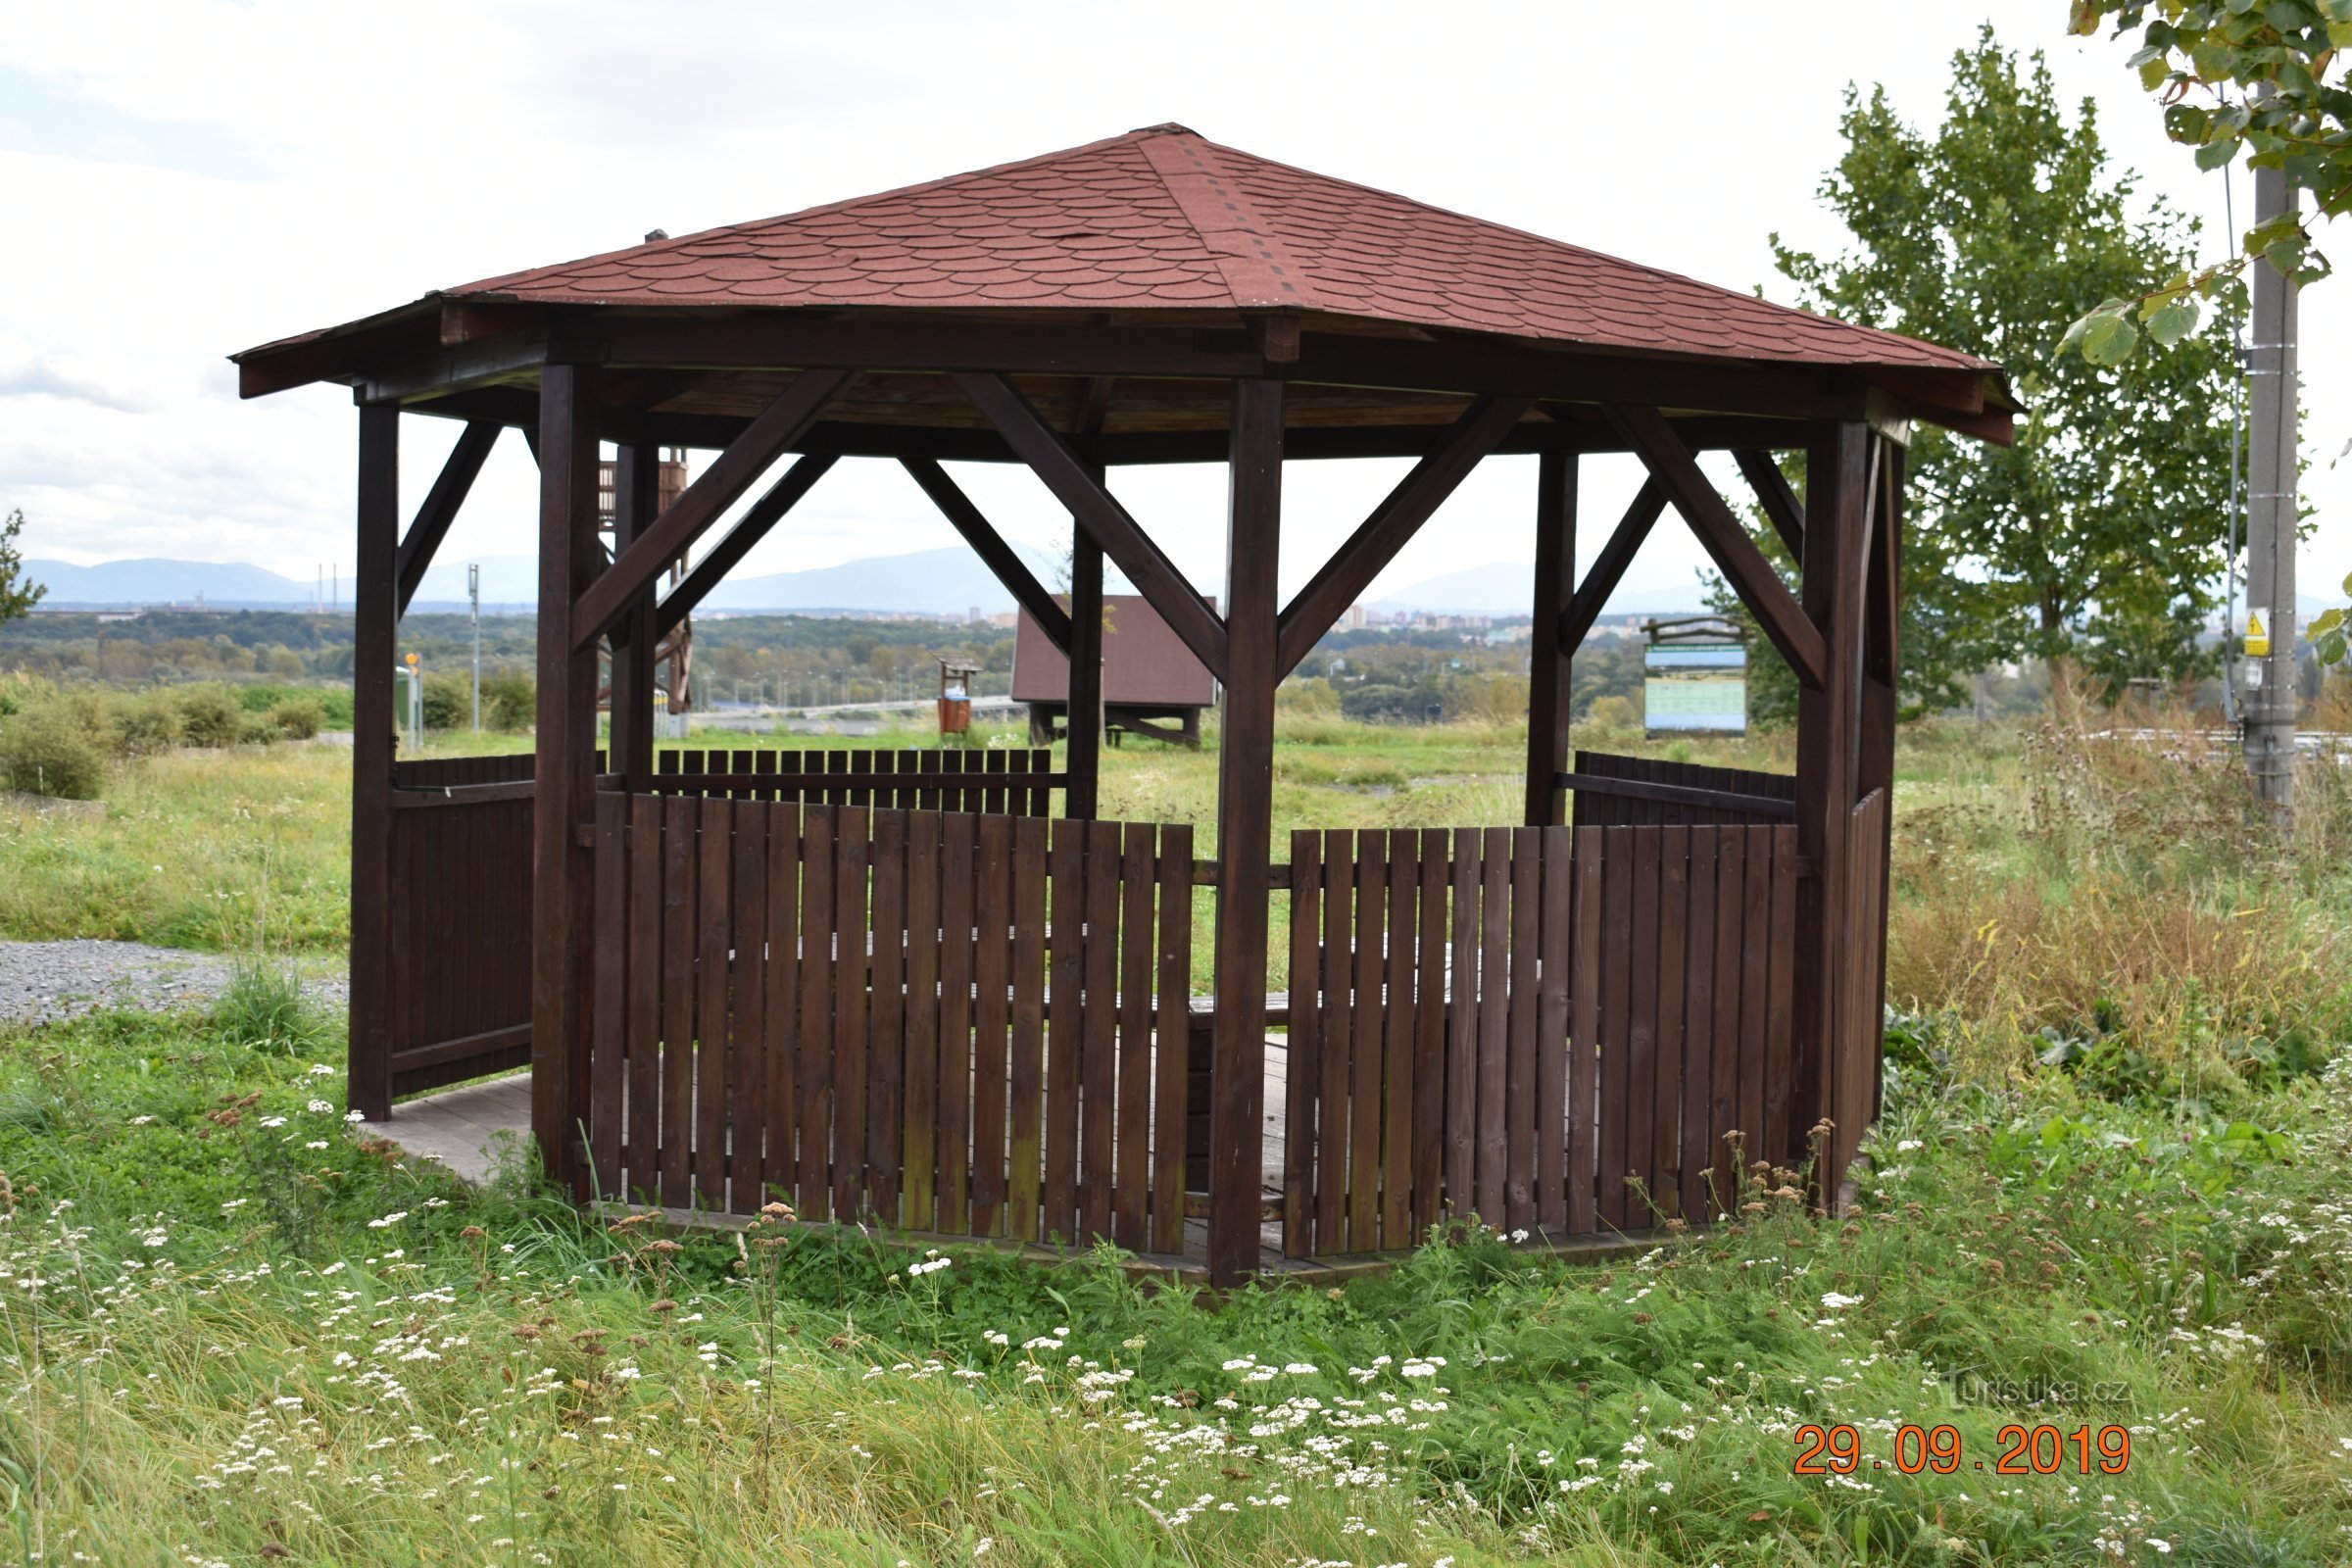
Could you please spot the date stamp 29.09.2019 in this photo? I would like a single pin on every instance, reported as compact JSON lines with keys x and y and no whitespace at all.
{"x":2019,"y":1451}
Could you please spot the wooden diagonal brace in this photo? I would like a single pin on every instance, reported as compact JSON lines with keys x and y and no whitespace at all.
{"x":750,"y":528}
{"x":1608,"y":570}
{"x":990,"y":546}
{"x":431,"y":526}
{"x":1106,"y":521}
{"x":1368,"y":551}
{"x":786,"y":421}
{"x":1742,"y":564}
{"x":1785,"y":512}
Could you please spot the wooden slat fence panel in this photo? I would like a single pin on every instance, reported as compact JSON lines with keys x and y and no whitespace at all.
{"x":1592,"y":807}
{"x":941,"y":1022}
{"x":458,"y":948}
{"x":999,"y":782}
{"x":1589,"y":1034}
{"x":439,"y":772}
{"x":458,"y":955}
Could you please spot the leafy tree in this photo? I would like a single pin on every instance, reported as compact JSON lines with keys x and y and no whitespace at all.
{"x":2098,"y":535}
{"x":17,"y":592}
{"x":2234,"y":76}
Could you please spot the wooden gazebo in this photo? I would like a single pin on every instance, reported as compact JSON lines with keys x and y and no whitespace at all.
{"x":886,"y":990}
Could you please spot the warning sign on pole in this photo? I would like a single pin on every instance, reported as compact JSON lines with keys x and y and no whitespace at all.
{"x":2258,"y":636}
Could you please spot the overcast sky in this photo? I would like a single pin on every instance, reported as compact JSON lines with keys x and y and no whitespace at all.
{"x":190,"y":177}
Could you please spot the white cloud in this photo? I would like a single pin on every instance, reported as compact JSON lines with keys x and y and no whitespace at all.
{"x":41,"y":376}
{"x":297,"y":164}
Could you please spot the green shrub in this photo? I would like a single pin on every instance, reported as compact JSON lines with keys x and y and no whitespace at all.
{"x":447,"y":701}
{"x":510,"y":701}
{"x":258,"y":729}
{"x":50,"y":748}
{"x":335,"y":701}
{"x":208,"y":716}
{"x":298,"y":718}
{"x":264,"y":1009}
{"x":146,"y":722}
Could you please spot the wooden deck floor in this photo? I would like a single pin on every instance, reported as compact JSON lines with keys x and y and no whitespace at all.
{"x":474,"y":1127}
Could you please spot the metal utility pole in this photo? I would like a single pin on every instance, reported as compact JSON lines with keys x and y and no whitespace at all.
{"x":2271,"y":696}
{"x":473,"y":591}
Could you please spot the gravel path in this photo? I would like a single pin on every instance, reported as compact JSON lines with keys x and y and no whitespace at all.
{"x":41,"y":981}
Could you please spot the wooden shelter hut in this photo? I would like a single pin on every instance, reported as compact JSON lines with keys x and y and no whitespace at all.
{"x":908,"y":997}
{"x":1152,"y":684}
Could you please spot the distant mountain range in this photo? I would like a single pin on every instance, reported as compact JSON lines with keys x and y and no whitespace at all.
{"x":948,"y":581}
{"x":153,"y":580}
{"x":1506,"y":588}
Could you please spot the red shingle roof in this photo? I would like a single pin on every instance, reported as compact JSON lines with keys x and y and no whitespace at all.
{"x":1164,"y":219}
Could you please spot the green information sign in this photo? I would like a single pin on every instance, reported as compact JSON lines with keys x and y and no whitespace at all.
{"x":1696,"y":686}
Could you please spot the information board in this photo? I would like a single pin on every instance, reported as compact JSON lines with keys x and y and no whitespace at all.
{"x":1695,"y":686}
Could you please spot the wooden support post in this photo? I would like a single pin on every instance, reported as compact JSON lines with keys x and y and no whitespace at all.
{"x":567,"y":764}
{"x":1548,"y":662}
{"x":1828,"y":737}
{"x":374,"y":618}
{"x":1082,"y":795}
{"x":1882,"y":666}
{"x":1244,"y":831}
{"x":636,"y":498}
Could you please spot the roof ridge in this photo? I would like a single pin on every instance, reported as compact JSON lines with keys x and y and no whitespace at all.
{"x":677,"y":242}
{"x":1258,"y":268}
{"x":1162,"y":219}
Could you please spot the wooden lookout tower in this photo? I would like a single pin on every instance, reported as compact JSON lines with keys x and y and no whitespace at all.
{"x":904,"y":995}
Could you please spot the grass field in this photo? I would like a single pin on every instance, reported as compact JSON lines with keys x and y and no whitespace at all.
{"x":2108,"y":1199}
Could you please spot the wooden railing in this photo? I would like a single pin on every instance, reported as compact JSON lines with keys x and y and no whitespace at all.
{"x":1553,"y":1028}
{"x":441,"y":773}
{"x":458,"y":956}
{"x":994,"y":781}
{"x":979,"y":1023}
{"x":944,"y":1021}
{"x":1610,"y":790}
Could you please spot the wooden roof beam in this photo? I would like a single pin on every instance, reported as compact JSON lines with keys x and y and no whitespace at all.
{"x":989,"y":545}
{"x":1608,"y":570}
{"x":1106,"y":521}
{"x":438,"y":372}
{"x":744,"y":459}
{"x":423,"y":541}
{"x":1774,"y":494}
{"x":1736,"y":554}
{"x":790,"y":339}
{"x":1344,"y":578}
{"x":750,"y":528}
{"x":275,"y":367}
